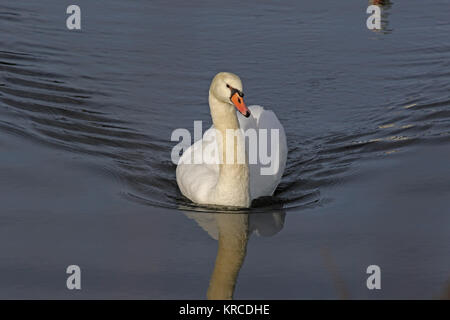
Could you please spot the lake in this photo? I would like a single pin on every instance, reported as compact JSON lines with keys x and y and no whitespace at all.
{"x":86,"y":176}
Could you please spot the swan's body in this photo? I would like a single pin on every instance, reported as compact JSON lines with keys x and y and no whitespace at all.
{"x":234,"y":183}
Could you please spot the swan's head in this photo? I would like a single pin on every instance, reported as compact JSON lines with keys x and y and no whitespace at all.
{"x":227,"y":87}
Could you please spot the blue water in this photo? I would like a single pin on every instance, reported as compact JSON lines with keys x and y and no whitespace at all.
{"x":85,"y":124}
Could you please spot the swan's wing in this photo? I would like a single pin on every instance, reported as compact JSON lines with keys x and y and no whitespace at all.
{"x":197,"y":175}
{"x":266,"y":171}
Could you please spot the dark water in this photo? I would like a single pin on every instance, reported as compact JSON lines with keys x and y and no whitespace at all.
{"x":85,"y":125}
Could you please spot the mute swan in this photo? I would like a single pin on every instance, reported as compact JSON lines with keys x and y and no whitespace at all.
{"x":235,"y":183}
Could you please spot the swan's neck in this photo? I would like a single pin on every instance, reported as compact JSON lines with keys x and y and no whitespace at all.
{"x":233,"y":238}
{"x":233,"y":184}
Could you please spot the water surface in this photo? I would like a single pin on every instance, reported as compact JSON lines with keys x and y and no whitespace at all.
{"x":85,"y":124}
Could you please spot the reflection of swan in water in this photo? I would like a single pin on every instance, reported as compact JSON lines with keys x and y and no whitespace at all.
{"x":232,"y":230}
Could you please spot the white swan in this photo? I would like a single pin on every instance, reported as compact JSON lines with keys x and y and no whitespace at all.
{"x":216,"y":181}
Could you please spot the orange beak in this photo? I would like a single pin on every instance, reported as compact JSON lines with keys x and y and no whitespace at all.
{"x":238,"y":102}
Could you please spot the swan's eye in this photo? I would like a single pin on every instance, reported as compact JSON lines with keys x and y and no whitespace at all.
{"x":228,"y":86}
